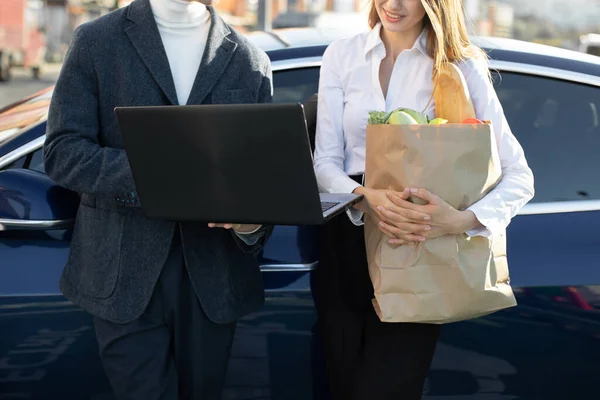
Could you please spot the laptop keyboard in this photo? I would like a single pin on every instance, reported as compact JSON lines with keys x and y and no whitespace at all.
{"x":327,"y":206}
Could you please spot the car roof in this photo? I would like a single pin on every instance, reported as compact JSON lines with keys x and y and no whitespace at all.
{"x":520,"y":47}
{"x":283,"y":38}
{"x":292,"y":43}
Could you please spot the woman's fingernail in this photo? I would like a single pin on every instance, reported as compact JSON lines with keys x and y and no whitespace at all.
{"x":379,"y":208}
{"x":427,"y":218}
{"x":428,"y":228}
{"x":421,"y":239}
{"x":414,"y":190}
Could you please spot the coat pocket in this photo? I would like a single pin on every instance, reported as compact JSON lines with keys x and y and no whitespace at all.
{"x":95,"y":256}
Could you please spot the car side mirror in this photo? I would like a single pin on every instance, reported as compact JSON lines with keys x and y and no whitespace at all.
{"x":30,"y":200}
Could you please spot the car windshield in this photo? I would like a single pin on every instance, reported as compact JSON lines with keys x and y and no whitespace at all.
{"x":15,"y":120}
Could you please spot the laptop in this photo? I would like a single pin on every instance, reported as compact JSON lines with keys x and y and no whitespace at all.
{"x":234,"y":163}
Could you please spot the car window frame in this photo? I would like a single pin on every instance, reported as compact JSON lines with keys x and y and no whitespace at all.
{"x":23,"y":151}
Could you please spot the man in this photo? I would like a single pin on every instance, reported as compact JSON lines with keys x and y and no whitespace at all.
{"x":165,"y":297}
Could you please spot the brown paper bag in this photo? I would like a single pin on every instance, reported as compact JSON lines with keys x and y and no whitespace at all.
{"x":450,"y":278}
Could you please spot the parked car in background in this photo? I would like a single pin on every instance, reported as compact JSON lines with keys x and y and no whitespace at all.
{"x":590,"y":44}
{"x":546,"y":348}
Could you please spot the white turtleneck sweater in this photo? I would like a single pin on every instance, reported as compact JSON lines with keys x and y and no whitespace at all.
{"x":183,"y":27}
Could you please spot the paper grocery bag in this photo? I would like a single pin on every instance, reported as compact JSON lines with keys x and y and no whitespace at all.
{"x":450,"y":278}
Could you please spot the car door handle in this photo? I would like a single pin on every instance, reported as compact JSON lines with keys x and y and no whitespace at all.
{"x":35,"y":225}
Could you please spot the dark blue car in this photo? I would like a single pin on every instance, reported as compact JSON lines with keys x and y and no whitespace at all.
{"x":546,"y":348}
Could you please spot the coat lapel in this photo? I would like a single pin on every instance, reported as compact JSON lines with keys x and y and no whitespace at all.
{"x":143,"y":34}
{"x":218,"y":53}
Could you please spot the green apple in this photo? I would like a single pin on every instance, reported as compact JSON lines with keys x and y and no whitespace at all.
{"x":421,"y":118}
{"x":401,"y":118}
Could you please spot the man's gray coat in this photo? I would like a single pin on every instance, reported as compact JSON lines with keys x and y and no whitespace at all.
{"x":117,"y":254}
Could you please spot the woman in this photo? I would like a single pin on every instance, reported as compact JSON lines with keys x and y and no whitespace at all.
{"x":394,"y":65}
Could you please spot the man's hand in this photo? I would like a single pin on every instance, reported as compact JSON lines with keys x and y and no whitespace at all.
{"x":239,"y":228}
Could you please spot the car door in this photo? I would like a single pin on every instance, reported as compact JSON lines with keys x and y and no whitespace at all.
{"x":548,"y":346}
{"x":47,"y":346}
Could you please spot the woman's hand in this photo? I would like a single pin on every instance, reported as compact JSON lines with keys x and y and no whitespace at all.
{"x":239,"y":228}
{"x":403,"y":225}
{"x":445,"y":219}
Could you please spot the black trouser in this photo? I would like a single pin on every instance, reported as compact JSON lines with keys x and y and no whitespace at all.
{"x":173,"y":351}
{"x":365,"y":359}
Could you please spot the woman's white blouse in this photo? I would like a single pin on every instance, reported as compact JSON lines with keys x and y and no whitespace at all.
{"x":349,"y":88}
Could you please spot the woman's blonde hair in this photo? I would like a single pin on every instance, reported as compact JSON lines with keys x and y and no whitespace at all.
{"x":447,"y":38}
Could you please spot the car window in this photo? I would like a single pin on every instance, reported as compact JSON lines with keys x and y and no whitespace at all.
{"x":33,"y":161}
{"x":558,"y":124}
{"x":295,"y":85}
{"x":36,"y":161}
{"x":16,"y":164}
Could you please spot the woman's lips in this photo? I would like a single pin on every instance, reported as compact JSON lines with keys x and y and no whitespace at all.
{"x":392,"y":17}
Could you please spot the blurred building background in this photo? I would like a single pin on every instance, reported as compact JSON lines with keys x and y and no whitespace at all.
{"x":61,"y":17}
{"x":555,"y":22}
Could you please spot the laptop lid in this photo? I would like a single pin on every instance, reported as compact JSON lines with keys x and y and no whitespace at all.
{"x":246,"y":163}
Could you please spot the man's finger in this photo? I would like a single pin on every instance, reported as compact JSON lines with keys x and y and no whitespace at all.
{"x":214,"y":225}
